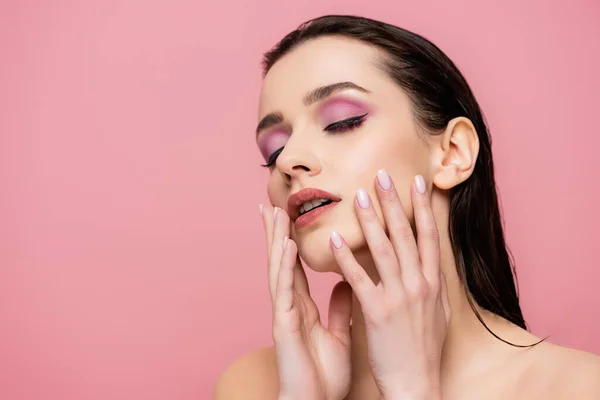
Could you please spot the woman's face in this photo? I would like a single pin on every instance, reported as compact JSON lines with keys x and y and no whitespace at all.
{"x":324,"y":152}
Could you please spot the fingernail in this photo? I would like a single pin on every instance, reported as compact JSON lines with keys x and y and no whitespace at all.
{"x":285,"y":239}
{"x":275,"y":213}
{"x":420,"y":184}
{"x":336,"y":239}
{"x":363,"y":198}
{"x":385,"y":182}
{"x":260,"y":207}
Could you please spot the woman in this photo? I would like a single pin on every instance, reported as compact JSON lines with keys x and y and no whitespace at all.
{"x":380,"y":169}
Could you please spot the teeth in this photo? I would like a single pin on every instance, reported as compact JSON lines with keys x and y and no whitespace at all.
{"x":309,"y":205}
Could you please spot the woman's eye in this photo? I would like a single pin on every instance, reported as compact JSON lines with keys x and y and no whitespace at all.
{"x":346,"y":124}
{"x":335,"y":127}
{"x":273,"y":158}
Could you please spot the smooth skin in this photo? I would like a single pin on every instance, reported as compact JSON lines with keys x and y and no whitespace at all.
{"x":413,"y":333}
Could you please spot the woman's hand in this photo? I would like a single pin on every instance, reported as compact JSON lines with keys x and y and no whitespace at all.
{"x":313,"y":361}
{"x":407,"y":313}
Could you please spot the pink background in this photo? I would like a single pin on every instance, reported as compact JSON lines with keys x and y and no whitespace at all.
{"x":131,"y":251}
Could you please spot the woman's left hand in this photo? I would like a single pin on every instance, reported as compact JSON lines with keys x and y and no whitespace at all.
{"x":407,"y":313}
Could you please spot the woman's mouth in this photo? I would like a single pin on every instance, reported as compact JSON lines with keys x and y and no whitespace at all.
{"x":312,"y":204}
{"x":308,"y":217}
{"x":307,"y":205}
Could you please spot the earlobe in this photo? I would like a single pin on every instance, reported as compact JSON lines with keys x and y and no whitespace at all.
{"x":457,"y":152}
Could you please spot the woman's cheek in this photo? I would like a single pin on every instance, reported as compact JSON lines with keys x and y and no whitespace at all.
{"x":276,"y":191}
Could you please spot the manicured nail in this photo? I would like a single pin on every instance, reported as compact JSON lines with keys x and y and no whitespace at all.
{"x":363,"y":198}
{"x":260,"y":207}
{"x":275,"y":213}
{"x":336,"y":239}
{"x":385,"y":182}
{"x":285,"y":239}
{"x":420,"y":184}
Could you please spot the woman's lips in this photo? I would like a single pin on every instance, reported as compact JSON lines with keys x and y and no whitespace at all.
{"x":310,"y":217}
{"x":295,"y":201}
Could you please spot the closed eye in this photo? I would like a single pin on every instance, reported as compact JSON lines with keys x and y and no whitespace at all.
{"x":336,"y":127}
{"x":272,"y":158}
{"x":346,"y":124}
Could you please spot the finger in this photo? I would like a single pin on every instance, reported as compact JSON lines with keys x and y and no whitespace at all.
{"x":445,"y":298}
{"x":287,"y":333}
{"x":399,"y":229}
{"x":266,"y":213}
{"x":382,"y":251}
{"x":300,"y":280}
{"x":284,"y":294}
{"x":281,"y":225}
{"x":340,"y":311}
{"x":428,"y":238}
{"x":355,"y":275}
{"x":274,"y":252}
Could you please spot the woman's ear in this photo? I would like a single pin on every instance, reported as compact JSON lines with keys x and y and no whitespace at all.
{"x":456,"y":153}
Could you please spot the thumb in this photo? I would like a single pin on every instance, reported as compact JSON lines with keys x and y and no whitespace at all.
{"x":340,"y":311}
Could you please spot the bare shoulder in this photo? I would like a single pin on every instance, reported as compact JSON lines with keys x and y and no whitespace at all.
{"x":252,"y":376}
{"x":569,"y":373}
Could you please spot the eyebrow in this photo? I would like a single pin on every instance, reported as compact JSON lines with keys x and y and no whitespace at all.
{"x":312,"y":97}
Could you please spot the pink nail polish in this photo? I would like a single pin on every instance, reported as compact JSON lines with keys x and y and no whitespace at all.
{"x":363,"y":198}
{"x":385,"y":182}
{"x":336,"y":239}
{"x":420,"y":184}
{"x":260,"y":207}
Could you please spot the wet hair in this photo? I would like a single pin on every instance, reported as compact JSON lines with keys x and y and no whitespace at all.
{"x":439,"y":93}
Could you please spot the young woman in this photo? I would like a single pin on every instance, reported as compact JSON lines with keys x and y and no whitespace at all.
{"x":380,"y":169}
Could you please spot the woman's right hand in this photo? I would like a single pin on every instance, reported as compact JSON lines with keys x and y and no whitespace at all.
{"x":313,"y":361}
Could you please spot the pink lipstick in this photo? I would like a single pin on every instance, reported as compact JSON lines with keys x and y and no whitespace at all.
{"x":302,"y":213}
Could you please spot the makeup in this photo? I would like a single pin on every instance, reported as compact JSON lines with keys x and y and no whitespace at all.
{"x":339,"y":108}
{"x":270,"y":142}
{"x":313,"y":215}
{"x":321,"y":200}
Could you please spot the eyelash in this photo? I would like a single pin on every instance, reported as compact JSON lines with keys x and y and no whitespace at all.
{"x":336,"y":127}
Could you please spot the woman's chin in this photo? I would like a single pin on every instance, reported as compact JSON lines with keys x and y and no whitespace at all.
{"x":319,"y":261}
{"x":315,"y":251}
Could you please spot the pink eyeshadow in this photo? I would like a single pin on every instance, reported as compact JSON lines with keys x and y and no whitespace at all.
{"x":341,"y":108}
{"x":271,"y":142}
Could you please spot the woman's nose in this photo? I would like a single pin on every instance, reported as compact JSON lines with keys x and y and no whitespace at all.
{"x":294,"y":163}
